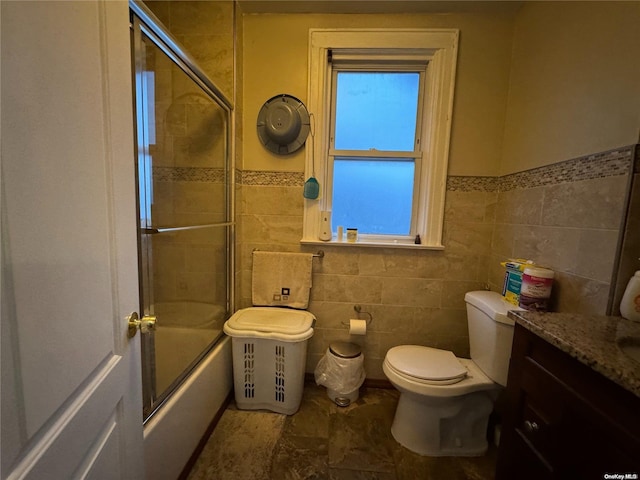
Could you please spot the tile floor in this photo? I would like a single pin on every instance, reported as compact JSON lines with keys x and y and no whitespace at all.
{"x":324,"y":441}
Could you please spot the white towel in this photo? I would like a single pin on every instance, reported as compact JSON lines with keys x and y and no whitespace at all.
{"x":281,"y":279}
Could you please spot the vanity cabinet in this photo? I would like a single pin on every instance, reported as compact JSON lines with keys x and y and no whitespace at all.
{"x":563,"y":420}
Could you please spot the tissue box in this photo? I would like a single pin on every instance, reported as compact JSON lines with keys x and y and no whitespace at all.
{"x":513,"y":279}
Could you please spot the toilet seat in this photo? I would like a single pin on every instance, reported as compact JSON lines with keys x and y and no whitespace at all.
{"x":474,"y":381}
{"x":426,"y":365}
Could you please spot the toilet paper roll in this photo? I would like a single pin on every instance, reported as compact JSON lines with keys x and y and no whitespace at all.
{"x":357,"y":327}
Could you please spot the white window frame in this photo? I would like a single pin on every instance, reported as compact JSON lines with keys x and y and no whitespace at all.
{"x":439,"y":48}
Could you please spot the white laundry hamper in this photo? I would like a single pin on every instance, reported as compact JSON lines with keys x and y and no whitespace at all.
{"x":269,"y":348}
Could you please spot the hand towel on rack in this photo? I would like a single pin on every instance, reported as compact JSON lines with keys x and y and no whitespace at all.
{"x":281,"y":279}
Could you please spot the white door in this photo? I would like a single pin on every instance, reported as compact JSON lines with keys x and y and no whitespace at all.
{"x":71,"y":388}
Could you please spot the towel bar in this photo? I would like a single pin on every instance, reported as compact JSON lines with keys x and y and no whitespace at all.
{"x":318,"y":254}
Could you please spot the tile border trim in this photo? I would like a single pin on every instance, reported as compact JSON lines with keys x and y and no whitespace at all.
{"x":472,"y":184}
{"x":269,"y":178}
{"x":188,"y":174}
{"x":599,"y":165}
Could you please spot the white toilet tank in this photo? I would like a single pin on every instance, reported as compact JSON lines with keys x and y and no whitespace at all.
{"x":490,"y":333}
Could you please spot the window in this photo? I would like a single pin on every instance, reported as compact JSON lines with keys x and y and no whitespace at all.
{"x":372,"y":148}
{"x":381,"y":102}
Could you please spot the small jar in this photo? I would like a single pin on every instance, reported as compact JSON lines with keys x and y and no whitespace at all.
{"x":352,"y":235}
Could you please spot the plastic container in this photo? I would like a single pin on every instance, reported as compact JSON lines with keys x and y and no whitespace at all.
{"x":535,"y":291}
{"x":341,"y":370}
{"x":269,"y":349}
{"x":512,"y":285}
{"x":630,"y":304}
{"x":513,"y":279}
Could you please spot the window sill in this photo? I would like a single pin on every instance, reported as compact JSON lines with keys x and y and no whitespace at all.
{"x":371,"y":244}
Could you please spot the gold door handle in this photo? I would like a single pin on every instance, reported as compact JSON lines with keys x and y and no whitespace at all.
{"x":145,"y":325}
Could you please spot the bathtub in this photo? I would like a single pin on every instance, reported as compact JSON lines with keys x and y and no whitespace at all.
{"x":172,"y":434}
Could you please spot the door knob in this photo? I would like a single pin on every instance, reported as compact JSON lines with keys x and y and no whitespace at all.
{"x":145,"y":325}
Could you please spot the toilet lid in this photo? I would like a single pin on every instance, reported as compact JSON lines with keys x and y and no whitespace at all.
{"x":426,"y":363}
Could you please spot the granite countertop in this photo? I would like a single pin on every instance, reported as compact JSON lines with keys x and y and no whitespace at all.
{"x":591,"y":339}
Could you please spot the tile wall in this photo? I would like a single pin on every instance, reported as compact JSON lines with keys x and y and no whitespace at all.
{"x":565,"y":216}
{"x":413,"y":296}
{"x":206,"y":31}
{"x":189,"y":265}
{"x":188,"y":156}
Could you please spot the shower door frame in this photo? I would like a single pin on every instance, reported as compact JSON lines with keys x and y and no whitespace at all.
{"x":144,"y":22}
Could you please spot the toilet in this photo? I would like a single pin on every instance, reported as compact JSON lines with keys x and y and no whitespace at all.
{"x":445,"y":401}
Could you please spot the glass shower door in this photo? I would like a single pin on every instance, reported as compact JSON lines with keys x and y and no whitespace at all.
{"x":185,"y":213}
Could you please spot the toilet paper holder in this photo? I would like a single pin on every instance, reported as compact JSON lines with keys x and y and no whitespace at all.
{"x":358,"y":310}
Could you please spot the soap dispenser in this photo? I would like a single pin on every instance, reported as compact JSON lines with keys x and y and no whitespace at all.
{"x":325,"y":226}
{"x":630,"y":304}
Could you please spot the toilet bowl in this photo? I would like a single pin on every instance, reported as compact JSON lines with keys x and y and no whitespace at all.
{"x":445,"y":401}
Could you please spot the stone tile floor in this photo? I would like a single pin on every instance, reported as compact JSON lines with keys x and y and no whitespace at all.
{"x":324,"y":441}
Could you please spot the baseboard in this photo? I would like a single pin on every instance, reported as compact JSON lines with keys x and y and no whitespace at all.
{"x":377,"y":383}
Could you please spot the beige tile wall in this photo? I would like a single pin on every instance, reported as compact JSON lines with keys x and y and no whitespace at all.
{"x":413,"y":296}
{"x":567,"y":221}
{"x":189,"y":182}
{"x":569,"y":226}
{"x":206,"y":31}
